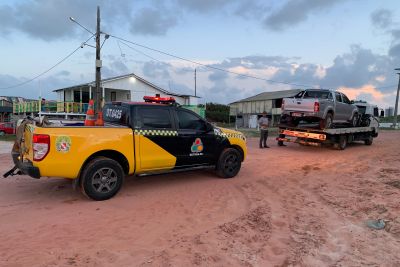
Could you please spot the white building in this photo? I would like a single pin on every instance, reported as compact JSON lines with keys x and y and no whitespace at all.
{"x":128,"y":87}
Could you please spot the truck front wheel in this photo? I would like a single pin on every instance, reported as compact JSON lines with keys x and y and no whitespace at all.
{"x":229,"y":163}
{"x":102,"y":178}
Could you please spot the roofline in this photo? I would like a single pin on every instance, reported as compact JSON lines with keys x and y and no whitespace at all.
{"x":122,"y":77}
{"x":245,"y":99}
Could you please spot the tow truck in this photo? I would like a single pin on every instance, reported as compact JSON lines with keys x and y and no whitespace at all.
{"x":338,"y":137}
{"x":138,"y":138}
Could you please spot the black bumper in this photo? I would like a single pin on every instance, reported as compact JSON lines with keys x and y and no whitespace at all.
{"x":25,"y":167}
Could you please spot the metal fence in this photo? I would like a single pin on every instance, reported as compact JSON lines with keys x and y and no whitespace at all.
{"x":50,"y":107}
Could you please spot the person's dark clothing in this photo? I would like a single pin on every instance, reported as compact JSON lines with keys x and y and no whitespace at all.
{"x":263,"y":138}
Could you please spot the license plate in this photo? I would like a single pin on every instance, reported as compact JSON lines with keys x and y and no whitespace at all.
{"x":297,"y":114}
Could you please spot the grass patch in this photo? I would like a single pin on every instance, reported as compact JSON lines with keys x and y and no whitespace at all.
{"x":7,"y":137}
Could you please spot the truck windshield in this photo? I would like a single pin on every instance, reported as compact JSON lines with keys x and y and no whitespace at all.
{"x":317,"y":94}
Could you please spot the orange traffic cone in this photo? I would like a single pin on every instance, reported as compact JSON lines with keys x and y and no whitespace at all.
{"x":90,"y":118}
{"x":100,"y":121}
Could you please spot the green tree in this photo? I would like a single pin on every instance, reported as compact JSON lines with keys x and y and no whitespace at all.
{"x":218,"y":112}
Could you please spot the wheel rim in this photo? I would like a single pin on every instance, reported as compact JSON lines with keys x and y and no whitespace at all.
{"x":2,"y":133}
{"x":231,"y":163}
{"x":104,"y":180}
{"x":354,"y":121}
{"x":328,"y":122}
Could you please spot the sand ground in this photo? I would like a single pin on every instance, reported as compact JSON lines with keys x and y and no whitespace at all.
{"x":289,"y":206}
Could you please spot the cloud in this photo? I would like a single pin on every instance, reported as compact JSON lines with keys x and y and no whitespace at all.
{"x":49,"y":20}
{"x":153,"y":21}
{"x":368,"y":93}
{"x":382,"y":18}
{"x":153,"y":69}
{"x":294,"y":12}
{"x":63,"y":73}
{"x":203,"y":6}
{"x":216,"y":76}
{"x":32,"y":90}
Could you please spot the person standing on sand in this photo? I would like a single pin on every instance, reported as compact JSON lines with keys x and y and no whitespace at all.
{"x":263,"y":122}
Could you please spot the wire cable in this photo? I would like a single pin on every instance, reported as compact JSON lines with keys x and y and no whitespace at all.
{"x":140,"y":52}
{"x":208,"y":66}
{"x":46,"y":71}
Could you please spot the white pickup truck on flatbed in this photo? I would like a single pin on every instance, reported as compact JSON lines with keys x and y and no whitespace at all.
{"x":324,"y":106}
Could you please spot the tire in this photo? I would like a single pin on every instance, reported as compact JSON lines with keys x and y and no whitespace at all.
{"x":369,"y":141}
{"x":2,"y":133}
{"x":102,"y":178}
{"x":229,"y":163}
{"x":327,"y":122}
{"x":342,"y":144}
{"x":354,"y":120}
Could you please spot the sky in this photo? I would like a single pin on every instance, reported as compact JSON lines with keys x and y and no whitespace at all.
{"x":347,"y":45}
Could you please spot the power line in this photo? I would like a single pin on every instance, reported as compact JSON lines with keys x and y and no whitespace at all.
{"x":208,"y":66}
{"x":46,"y":71}
{"x":140,"y":52}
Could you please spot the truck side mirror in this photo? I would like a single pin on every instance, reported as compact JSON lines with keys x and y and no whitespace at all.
{"x":352,"y":102}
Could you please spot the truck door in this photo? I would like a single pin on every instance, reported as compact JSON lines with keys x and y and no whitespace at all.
{"x":155,"y":138}
{"x":347,"y":108}
{"x":197,"y":142}
{"x":339,"y":108}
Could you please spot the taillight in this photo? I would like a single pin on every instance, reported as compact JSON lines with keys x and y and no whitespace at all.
{"x":283,"y":104}
{"x":41,"y":146}
{"x":316,"y":106}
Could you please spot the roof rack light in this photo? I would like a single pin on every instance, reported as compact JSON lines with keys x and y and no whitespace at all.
{"x":158,"y":99}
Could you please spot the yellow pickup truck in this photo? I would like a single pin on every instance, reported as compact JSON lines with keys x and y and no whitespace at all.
{"x":137,"y":139}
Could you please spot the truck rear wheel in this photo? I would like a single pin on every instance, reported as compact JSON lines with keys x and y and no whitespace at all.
{"x":229,"y":163}
{"x":102,"y":178}
{"x":327,"y":122}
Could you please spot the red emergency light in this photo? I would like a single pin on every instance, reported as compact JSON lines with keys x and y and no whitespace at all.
{"x":158,"y":99}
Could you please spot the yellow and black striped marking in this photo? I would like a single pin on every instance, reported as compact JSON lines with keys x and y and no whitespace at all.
{"x":235,"y":135}
{"x":156,"y":132}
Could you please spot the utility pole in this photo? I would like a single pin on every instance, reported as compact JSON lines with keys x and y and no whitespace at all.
{"x":195,"y":81}
{"x":98,"y":94}
{"x":397,"y":101}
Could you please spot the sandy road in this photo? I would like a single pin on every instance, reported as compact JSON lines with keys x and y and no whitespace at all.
{"x":290,"y":205}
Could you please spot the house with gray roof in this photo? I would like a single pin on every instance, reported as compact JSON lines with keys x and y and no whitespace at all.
{"x":248,"y":110}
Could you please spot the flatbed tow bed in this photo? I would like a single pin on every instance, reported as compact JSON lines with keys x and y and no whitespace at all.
{"x":338,"y":137}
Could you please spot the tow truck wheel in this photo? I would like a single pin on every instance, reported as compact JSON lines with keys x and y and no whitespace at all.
{"x":369,"y":141}
{"x":229,"y":163}
{"x":342,"y":142}
{"x":102,"y":178}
